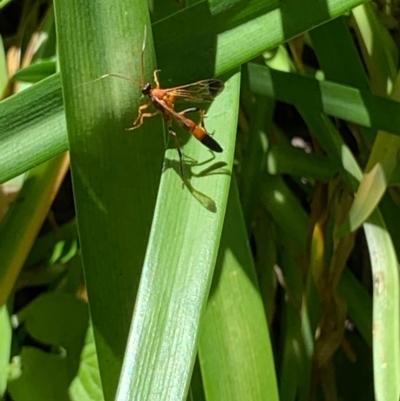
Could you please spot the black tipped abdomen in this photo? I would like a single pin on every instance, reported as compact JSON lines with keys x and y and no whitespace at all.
{"x":211,"y":143}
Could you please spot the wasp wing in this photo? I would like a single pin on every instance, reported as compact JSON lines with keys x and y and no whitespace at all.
{"x":198,"y":92}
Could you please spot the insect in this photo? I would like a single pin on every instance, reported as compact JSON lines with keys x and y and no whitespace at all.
{"x":163,"y":100}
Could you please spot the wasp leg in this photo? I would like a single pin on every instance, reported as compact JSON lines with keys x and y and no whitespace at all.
{"x":195,"y":110}
{"x":202,"y":115}
{"x":191,"y":110}
{"x":156,"y":78}
{"x":178,"y":148}
{"x":141,"y":116}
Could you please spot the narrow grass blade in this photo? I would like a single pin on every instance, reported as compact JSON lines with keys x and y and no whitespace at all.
{"x":32,"y":126}
{"x":3,"y":68}
{"x":115,"y":173}
{"x":222,"y":26}
{"x":235,"y":352}
{"x":179,"y":265}
{"x":22,"y":223}
{"x":386,"y":350}
{"x":346,"y":102}
{"x":5,"y":348}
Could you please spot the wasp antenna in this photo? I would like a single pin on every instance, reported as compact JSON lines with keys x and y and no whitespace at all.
{"x":93,"y":80}
{"x":111,"y":75}
{"x":143,"y":48}
{"x":121,"y":77}
{"x":144,"y":38}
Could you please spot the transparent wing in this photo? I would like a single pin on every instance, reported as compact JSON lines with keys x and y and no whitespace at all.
{"x":202,"y":91}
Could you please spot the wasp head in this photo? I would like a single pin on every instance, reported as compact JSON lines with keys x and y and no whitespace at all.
{"x":146,"y":89}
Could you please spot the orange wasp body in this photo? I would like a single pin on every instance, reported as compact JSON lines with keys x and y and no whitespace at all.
{"x":163,"y":101}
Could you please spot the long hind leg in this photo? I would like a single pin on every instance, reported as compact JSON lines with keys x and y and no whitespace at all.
{"x":194,"y":110}
{"x":177,"y":145}
{"x":178,"y":148}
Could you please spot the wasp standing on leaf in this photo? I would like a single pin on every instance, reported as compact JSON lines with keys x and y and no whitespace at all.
{"x":164,"y":102}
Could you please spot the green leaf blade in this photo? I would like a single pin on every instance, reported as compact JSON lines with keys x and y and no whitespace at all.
{"x":178,"y":269}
